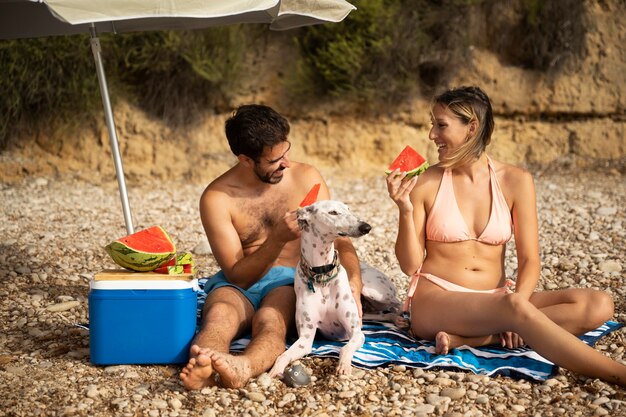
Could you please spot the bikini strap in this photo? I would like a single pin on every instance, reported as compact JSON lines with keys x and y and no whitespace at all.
{"x":406,"y":307}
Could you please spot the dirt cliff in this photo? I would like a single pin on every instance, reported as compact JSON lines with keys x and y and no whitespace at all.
{"x":576,"y":115}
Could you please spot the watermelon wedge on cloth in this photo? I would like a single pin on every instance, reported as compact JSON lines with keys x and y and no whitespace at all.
{"x":143,"y":251}
{"x":311,"y":197}
{"x":409,"y":161}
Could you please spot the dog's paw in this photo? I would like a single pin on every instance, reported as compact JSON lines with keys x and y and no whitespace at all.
{"x":344,"y":369}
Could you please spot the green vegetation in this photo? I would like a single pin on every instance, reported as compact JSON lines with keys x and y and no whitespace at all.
{"x":172,"y":75}
{"x":46,"y":80}
{"x":383,"y":52}
{"x":373,"y":55}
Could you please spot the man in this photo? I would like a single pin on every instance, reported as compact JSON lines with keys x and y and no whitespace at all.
{"x":248,"y":214}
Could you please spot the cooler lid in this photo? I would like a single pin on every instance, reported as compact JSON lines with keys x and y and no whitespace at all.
{"x":128,"y":284}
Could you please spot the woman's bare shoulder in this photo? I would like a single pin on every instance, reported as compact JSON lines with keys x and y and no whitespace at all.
{"x":512,"y":175}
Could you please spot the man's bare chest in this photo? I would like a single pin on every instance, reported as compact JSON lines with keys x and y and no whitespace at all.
{"x":254,"y":218}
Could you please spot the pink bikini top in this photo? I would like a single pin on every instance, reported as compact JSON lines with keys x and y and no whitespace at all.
{"x":446,"y":224}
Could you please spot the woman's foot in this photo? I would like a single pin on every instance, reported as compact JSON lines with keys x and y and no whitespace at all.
{"x":442,"y":343}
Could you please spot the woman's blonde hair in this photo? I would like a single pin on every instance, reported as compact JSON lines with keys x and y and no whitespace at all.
{"x":468,"y":104}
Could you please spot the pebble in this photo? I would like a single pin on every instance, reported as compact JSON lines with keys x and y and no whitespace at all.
{"x":64,"y":306}
{"x":209,"y":412}
{"x":175,"y":403}
{"x":160,"y":404}
{"x":92,"y":391}
{"x":610,"y":266}
{"x":256,"y":396}
{"x":482,"y":399}
{"x":607,"y":211}
{"x":264,"y":380}
{"x":202,"y":248}
{"x":453,"y":393}
{"x":601,"y":400}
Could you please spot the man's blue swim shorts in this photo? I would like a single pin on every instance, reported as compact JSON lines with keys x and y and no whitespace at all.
{"x":278,"y":276}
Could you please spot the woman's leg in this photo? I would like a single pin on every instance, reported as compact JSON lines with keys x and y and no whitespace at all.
{"x":576,"y":310}
{"x":474,"y":315}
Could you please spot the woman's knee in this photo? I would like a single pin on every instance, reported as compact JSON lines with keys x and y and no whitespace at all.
{"x":520,"y":310}
{"x":599,"y":308}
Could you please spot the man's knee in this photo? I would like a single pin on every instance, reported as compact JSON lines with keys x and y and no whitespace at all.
{"x":270,"y":321}
{"x":227,"y":308}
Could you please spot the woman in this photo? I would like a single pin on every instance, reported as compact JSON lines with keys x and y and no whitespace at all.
{"x":454,"y":223}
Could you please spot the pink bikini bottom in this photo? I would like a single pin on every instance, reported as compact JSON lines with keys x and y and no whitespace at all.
{"x":509,"y":286}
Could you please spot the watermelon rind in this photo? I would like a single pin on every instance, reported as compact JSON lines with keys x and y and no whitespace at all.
{"x":182,"y":263}
{"x":140,"y":261}
{"x":414,"y":172}
{"x":408,"y":156}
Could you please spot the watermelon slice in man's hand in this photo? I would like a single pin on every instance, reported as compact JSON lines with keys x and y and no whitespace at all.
{"x":409,"y":161}
{"x":311,"y":197}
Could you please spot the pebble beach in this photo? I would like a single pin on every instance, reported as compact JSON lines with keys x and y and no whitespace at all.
{"x":53,"y":231}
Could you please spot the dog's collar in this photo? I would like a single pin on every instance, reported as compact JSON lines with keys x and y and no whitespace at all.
{"x":320,"y":275}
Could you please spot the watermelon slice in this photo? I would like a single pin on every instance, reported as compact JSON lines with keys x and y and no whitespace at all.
{"x":182,"y":263}
{"x":408,"y":161}
{"x":311,"y":197}
{"x":143,"y":251}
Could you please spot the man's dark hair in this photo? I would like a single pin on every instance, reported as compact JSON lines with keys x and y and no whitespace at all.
{"x":253,"y":127}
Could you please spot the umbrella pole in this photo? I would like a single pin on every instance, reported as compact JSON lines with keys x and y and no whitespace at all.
{"x":108,"y":115}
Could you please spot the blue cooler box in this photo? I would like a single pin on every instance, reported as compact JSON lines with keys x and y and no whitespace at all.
{"x":141,"y":321}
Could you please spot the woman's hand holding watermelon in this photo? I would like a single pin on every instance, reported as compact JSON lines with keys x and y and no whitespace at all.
{"x":400,"y":187}
{"x":402,"y":175}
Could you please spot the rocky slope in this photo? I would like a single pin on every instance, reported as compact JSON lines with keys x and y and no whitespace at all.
{"x":573,"y":114}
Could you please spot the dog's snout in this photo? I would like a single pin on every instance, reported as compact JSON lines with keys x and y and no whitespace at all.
{"x":364,"y":228}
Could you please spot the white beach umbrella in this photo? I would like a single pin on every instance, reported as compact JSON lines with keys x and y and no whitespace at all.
{"x":32,"y":18}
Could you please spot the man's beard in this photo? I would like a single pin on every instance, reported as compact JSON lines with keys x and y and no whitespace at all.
{"x":269,"y":178}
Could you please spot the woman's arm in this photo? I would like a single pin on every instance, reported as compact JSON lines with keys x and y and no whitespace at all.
{"x":409,"y":247}
{"x":525,"y":225}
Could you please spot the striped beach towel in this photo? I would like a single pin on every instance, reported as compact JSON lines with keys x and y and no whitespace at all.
{"x":385,"y":345}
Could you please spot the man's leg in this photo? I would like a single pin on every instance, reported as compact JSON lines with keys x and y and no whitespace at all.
{"x":269,"y":331}
{"x":227,"y":313}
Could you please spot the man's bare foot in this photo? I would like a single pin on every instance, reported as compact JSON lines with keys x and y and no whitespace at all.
{"x":442,"y":343}
{"x":234,"y":371}
{"x":198,"y":373}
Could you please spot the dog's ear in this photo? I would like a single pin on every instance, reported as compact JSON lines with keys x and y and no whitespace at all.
{"x":303,"y":215}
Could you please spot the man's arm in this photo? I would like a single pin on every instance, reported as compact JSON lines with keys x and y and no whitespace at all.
{"x":350,"y":261}
{"x":241,"y":270}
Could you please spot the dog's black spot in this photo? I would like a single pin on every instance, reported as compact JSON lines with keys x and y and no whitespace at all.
{"x":348,"y":314}
{"x":335,"y":324}
{"x":336,"y":306}
{"x":309,"y":326}
{"x":301,"y":347}
{"x":337,"y":295}
{"x":314,"y":245}
{"x":345,"y":297}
